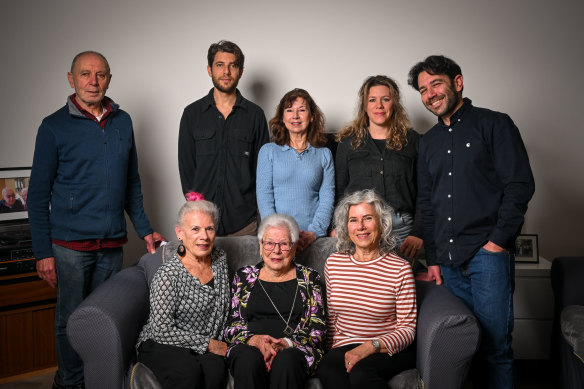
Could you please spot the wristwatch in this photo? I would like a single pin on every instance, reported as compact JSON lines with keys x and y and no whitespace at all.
{"x":376,"y":344}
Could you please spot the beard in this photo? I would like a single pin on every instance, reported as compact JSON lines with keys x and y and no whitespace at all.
{"x":225,"y":89}
{"x":451,"y":101}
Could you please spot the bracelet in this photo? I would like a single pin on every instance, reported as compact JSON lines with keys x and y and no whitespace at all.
{"x":290,"y":344}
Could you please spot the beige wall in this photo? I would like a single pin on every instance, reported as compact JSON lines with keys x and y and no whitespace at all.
{"x":520,"y":57}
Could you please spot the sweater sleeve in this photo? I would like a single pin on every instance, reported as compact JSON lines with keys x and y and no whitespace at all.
{"x":43,"y":174}
{"x":331,"y":316}
{"x":265,"y":182}
{"x":134,"y":199}
{"x":326,"y":196}
{"x":406,"y":313}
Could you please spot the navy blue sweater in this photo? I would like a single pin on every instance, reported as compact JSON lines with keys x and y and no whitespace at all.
{"x":83,"y":178}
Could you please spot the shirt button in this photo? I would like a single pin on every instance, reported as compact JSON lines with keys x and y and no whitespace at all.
{"x":382,"y":158}
{"x":449,"y":151}
{"x":449,"y":173}
{"x":450,"y":130}
{"x":451,"y":241}
{"x":381,"y":172}
{"x":449,"y":219}
{"x":449,"y":195}
{"x":468,"y":145}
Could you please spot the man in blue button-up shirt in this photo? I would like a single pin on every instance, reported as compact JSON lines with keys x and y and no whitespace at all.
{"x":474,"y":183}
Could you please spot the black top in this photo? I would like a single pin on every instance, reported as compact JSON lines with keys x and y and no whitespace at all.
{"x":261,"y":316}
{"x":474,"y":183}
{"x":391,"y":173}
{"x":217,"y":157}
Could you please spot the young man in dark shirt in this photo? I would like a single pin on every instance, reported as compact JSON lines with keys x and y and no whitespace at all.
{"x":474,"y":184}
{"x":219,"y":139}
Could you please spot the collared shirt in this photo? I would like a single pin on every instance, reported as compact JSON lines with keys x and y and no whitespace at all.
{"x":391,"y":173}
{"x":474,"y":182}
{"x":217,"y":157}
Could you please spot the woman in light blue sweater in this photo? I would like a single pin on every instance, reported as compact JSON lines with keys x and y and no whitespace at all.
{"x":295,"y":173}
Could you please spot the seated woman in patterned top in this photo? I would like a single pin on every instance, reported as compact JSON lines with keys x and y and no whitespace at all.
{"x":276,"y":326}
{"x":189,"y":302}
{"x":295,"y":173}
{"x":371,"y":299}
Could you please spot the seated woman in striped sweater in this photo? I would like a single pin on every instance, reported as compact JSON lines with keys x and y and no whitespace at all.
{"x":295,"y":173}
{"x":371,"y":299}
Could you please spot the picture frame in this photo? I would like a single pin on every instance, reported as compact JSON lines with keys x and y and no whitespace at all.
{"x":527,"y":248}
{"x":16,"y":179}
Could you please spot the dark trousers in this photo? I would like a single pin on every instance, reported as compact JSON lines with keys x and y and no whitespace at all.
{"x":371,"y":373}
{"x":177,"y":367}
{"x":288,"y":371}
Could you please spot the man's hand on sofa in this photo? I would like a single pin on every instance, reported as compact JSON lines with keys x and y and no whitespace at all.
{"x":217,"y":347}
{"x":433,"y":274}
{"x":46,"y":271}
{"x":153,"y":241}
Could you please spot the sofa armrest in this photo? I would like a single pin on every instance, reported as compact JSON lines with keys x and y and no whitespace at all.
{"x":448,"y":335}
{"x":105,"y":327}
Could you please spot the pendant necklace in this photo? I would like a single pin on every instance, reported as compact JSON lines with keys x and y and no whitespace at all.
{"x":287,"y":330}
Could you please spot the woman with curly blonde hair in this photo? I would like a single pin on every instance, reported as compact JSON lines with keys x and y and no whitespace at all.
{"x":378,"y":150}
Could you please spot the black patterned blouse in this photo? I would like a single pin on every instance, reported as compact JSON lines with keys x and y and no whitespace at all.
{"x":184,"y":312}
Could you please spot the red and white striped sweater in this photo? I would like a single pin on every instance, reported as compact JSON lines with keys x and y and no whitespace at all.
{"x":370,"y":300}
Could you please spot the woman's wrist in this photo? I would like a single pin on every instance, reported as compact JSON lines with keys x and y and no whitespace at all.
{"x":289,"y":342}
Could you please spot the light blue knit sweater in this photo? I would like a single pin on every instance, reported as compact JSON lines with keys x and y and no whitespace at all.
{"x":301,"y":185}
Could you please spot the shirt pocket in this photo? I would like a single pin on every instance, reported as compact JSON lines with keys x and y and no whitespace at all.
{"x":204,"y":141}
{"x":359,"y":165}
{"x":241,"y":143}
{"x":401,"y":164}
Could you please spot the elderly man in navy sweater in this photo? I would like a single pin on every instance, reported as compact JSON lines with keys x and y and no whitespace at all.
{"x":84,"y":176}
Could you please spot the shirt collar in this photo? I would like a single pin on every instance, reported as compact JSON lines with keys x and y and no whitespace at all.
{"x":459,"y":114}
{"x":210,"y":100}
{"x":287,"y":147}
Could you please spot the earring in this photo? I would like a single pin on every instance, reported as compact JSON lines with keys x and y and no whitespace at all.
{"x":181,"y":249}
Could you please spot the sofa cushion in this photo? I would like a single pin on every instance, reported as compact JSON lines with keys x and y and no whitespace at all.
{"x":572,"y":323}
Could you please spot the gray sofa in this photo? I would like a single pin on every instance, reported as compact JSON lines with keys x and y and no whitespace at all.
{"x":105,"y":327}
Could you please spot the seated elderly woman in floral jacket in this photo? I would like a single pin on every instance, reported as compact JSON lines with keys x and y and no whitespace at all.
{"x":277,"y":324}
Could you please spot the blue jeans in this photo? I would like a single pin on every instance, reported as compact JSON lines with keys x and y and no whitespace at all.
{"x":78,"y":274}
{"x":401,"y":226}
{"x":486,"y":284}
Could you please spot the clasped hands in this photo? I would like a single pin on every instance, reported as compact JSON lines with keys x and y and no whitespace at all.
{"x":268,"y":346}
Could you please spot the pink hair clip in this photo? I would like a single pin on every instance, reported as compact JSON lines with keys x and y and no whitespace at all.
{"x":194,"y":196}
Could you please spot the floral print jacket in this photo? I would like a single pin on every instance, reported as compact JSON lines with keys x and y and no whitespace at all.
{"x":310,"y":332}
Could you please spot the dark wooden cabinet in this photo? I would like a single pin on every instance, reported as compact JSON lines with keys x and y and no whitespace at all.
{"x":27,"y":316}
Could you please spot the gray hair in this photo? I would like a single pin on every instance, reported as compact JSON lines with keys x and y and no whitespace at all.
{"x":279,"y":220}
{"x":203,"y":206}
{"x":5,"y":190}
{"x":387,"y":240}
{"x":74,"y":62}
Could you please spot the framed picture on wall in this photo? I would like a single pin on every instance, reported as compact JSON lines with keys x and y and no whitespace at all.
{"x":14,"y":187}
{"x":527,"y":249}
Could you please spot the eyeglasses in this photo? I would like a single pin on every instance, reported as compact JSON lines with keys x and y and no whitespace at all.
{"x":284,"y":246}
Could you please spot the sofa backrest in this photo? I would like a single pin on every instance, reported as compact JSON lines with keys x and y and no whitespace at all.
{"x":242,"y":251}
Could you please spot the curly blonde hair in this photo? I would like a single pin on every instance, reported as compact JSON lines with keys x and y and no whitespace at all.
{"x":399,"y":123}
